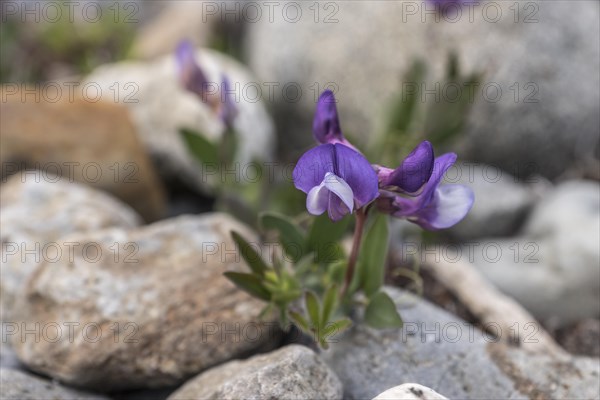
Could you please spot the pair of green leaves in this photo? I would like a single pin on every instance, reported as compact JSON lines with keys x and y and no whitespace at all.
{"x":319,"y":315}
{"x":271,"y":283}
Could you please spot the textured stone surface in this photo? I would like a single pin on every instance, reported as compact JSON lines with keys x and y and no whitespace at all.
{"x":292,"y":372}
{"x":410,"y":391}
{"x":160,"y":107}
{"x":448,"y":355}
{"x":543,"y":376}
{"x":159,"y":36}
{"x":501,"y":202}
{"x":36,"y":213}
{"x":558,"y":251}
{"x":151,"y":310}
{"x":17,"y":385}
{"x":89,"y":142}
{"x":555,"y":52}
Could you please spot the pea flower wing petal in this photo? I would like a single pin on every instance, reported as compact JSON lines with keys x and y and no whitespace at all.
{"x":415,"y":170}
{"x":449,"y":205}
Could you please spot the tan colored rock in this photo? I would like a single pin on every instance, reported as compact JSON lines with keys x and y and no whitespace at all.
{"x":151,"y":310}
{"x":36,"y":214}
{"x":292,"y":372}
{"x":92,"y":143}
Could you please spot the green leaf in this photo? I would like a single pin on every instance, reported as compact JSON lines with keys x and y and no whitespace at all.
{"x":265,"y":311}
{"x":381,"y":312}
{"x":201,"y":148}
{"x":324,"y":236}
{"x":337,"y":271}
{"x":290,"y":236}
{"x":251,"y":256}
{"x":333,"y":328}
{"x":304,"y":265}
{"x":329,"y":304}
{"x":299,"y":320}
{"x":373,"y":255}
{"x":250,"y":284}
{"x":228,"y":147}
{"x":312,"y":307}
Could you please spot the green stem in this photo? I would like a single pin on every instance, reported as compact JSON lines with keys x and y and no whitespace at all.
{"x":361,"y":216}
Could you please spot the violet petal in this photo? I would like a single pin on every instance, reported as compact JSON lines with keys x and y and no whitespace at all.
{"x":449,"y":205}
{"x":358,"y":173}
{"x":414,"y":171}
{"x":326,"y":124}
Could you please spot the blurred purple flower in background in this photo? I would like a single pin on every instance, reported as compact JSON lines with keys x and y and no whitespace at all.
{"x":447,"y":7}
{"x":194,"y":80}
{"x":431,"y":205}
{"x":336,"y":179}
{"x":190,"y":74}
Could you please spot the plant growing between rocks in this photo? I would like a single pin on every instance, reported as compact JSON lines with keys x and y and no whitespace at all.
{"x":314,"y":284}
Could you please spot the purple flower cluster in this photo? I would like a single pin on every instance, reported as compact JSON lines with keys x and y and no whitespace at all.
{"x":338,"y":179}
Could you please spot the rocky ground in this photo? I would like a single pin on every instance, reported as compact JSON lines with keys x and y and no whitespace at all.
{"x":112,"y":251}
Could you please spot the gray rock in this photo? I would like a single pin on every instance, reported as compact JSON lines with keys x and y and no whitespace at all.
{"x":149,"y":308}
{"x":410,"y":391}
{"x":553,"y":61}
{"x":36,"y":211}
{"x":501,"y":202}
{"x":8,"y":358}
{"x":159,"y":107}
{"x":572,"y":206}
{"x":448,"y":355}
{"x":293,"y":372}
{"x":17,"y":385}
{"x":553,"y":270}
{"x":544,"y":376}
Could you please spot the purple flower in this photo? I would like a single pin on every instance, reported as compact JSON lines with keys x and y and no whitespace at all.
{"x":414,"y":171}
{"x":326,"y":124}
{"x":194,"y":80}
{"x":336,"y":179}
{"x":435,"y":206}
{"x":191,"y":76}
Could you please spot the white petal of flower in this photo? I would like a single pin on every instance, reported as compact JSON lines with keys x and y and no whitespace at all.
{"x":340,"y":188}
{"x":317,"y":199}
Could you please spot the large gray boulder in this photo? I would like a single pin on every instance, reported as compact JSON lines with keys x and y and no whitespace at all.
{"x":553,"y":267}
{"x":548,"y":50}
{"x":37,"y":210}
{"x":450,"y":356}
{"x":146,"y":307}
